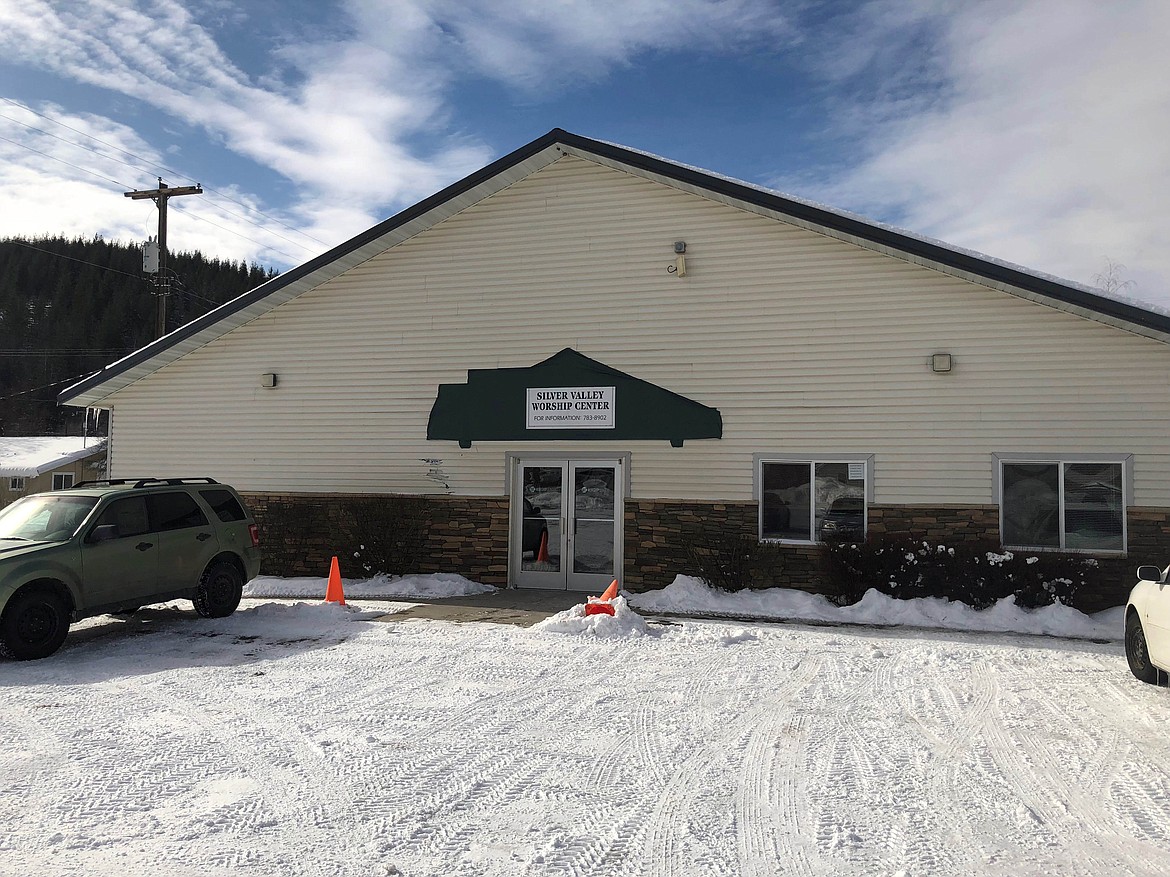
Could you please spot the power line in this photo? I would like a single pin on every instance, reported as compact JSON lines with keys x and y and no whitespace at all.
{"x":174,"y":274}
{"x":156,"y":165}
{"x":63,"y":161}
{"x":182,"y":287}
{"x":66,"y":351}
{"x":186,"y":213}
{"x":70,"y":142}
{"x":191,"y":215}
{"x":91,"y":137}
{"x":45,"y":386}
{"x":73,"y":259}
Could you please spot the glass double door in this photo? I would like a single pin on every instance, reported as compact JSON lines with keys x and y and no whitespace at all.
{"x":566,"y":524}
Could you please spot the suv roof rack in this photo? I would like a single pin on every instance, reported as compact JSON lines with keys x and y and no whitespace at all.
{"x":143,"y":482}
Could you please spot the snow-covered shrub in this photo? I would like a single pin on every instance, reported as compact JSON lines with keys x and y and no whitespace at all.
{"x":384,"y":534}
{"x":968,"y":573}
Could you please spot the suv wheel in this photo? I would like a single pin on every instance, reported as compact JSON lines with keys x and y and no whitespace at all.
{"x":34,"y":625}
{"x":219,"y":591}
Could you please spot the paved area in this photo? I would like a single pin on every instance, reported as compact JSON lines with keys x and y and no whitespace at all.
{"x":522,"y":607}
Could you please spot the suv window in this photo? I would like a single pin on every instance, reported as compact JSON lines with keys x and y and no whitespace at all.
{"x":226,"y":507}
{"x":44,"y":517}
{"x":174,"y":511}
{"x":128,"y":514}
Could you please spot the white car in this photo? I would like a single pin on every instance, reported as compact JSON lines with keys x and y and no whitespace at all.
{"x":1147,"y":626}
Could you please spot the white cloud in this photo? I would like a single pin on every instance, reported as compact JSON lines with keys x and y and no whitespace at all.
{"x":1040,"y":139}
{"x":341,"y":114}
{"x":63,"y":188}
{"x":539,"y":44}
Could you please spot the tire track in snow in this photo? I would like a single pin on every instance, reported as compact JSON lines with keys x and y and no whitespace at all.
{"x":492,"y":781}
{"x":638,"y":763}
{"x":276,"y":755}
{"x":949,"y":723}
{"x":687,"y":781}
{"x":1052,"y":793}
{"x":882,"y":764}
{"x":768,"y":790}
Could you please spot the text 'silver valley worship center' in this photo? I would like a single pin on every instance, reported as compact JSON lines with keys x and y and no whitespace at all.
{"x":582,"y":362}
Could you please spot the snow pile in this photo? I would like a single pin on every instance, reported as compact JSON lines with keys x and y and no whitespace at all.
{"x":380,"y":586}
{"x":690,"y":596}
{"x":623,"y":623}
{"x":290,"y":620}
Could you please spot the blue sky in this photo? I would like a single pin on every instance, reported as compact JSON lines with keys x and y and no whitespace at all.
{"x":1030,"y":130}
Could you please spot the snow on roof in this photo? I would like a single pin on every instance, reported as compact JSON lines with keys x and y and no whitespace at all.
{"x":29,"y":456}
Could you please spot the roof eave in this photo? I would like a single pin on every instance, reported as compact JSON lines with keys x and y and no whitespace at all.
{"x":956,"y":262}
{"x":96,"y":388}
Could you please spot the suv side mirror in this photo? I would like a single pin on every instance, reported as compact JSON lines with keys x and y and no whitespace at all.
{"x":1150,"y":574}
{"x":106,"y":532}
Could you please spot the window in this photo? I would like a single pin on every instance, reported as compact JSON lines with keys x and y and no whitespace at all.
{"x":1063,"y":504}
{"x":43,"y":517}
{"x":128,"y":515}
{"x":16,"y":483}
{"x":62,"y":480}
{"x":812,"y":500}
{"x":226,"y":507}
{"x":174,"y":511}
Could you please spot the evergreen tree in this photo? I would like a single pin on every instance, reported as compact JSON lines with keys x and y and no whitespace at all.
{"x":68,"y":307}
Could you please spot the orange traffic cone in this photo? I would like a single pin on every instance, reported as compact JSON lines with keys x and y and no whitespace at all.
{"x":334,"y":592}
{"x":542,"y":554}
{"x":601,"y":605}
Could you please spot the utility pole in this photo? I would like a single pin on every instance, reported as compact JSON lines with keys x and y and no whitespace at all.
{"x":162,"y":282}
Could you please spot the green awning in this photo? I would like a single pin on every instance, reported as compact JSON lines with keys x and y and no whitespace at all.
{"x":567,"y":397}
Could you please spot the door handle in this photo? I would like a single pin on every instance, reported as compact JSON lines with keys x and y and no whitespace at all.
{"x":144,"y":546}
{"x":203,"y":537}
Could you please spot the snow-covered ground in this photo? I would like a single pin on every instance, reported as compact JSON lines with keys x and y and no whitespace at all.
{"x":689,"y":596}
{"x":308,"y":739}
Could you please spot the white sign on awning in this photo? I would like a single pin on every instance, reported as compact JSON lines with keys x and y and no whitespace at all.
{"x":570,"y":408}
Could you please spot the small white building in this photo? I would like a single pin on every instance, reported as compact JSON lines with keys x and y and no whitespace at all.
{"x":33,"y":464}
{"x":585,"y":357}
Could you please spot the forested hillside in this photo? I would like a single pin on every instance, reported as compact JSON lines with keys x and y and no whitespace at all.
{"x":70,"y":307}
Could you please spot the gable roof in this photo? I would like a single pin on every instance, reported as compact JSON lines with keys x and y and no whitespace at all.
{"x":29,"y":456}
{"x":503,"y":172}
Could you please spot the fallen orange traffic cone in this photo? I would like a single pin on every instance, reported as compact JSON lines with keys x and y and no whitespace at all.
{"x":334,"y":592}
{"x":542,"y":554}
{"x":602,"y":605}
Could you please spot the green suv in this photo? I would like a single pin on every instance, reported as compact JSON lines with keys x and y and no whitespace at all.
{"x":113,"y":546}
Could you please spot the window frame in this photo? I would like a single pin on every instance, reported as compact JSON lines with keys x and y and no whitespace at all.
{"x":14,"y":487}
{"x":62,"y":475}
{"x":1125,"y":461}
{"x":812,"y":461}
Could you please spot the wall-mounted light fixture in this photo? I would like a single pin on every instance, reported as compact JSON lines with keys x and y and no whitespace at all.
{"x":268,"y":380}
{"x":680,"y":260}
{"x":941,"y":362}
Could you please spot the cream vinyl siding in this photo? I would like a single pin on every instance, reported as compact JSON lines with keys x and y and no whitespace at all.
{"x":807,"y":345}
